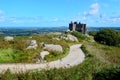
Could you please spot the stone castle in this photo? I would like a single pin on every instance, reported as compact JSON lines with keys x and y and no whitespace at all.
{"x":74,"y":26}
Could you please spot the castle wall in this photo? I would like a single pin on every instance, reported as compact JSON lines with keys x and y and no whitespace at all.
{"x":77,"y":27}
{"x":74,"y":27}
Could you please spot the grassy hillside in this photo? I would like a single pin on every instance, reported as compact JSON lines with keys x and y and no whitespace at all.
{"x":101,"y":63}
{"x":108,"y":54}
{"x":15,"y":51}
{"x":95,"y":67}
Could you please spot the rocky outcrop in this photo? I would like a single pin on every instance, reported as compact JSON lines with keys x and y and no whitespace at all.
{"x":71,"y":38}
{"x":43,"y":54}
{"x":8,"y":38}
{"x":32,"y":44}
{"x":56,"y":39}
{"x":53,"y":47}
{"x":41,"y":57}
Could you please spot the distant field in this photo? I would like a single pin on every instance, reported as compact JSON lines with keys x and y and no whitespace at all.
{"x":27,"y":31}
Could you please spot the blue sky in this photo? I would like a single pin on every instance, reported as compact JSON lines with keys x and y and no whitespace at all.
{"x":49,"y":13}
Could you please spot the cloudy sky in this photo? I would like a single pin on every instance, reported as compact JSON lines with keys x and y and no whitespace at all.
{"x":46,"y":13}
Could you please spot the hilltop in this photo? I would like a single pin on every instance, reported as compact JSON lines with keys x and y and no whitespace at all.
{"x":100,"y":60}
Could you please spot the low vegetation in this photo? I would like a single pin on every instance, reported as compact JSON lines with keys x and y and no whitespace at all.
{"x":16,"y":51}
{"x":79,"y":35}
{"x":101,"y":63}
{"x":108,"y":36}
{"x":109,"y":54}
{"x":95,"y":67}
{"x":92,"y":33}
{"x":54,"y":55}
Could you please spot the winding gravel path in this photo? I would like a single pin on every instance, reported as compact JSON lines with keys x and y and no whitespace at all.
{"x":75,"y":57}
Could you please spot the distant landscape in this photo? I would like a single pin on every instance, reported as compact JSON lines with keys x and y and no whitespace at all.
{"x":27,"y":31}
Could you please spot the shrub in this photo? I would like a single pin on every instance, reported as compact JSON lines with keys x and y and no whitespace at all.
{"x":79,"y":35}
{"x":108,"y":37}
{"x":108,"y":74}
{"x":92,"y":33}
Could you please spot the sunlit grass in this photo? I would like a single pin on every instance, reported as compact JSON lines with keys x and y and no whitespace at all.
{"x":105,"y":53}
{"x":101,"y":63}
{"x":15,"y":51}
{"x":56,"y":55}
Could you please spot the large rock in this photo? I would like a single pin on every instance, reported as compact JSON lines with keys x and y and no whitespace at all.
{"x":71,"y":38}
{"x":56,"y":39}
{"x":8,"y":38}
{"x":43,"y":54}
{"x":53,"y":47}
{"x":32,"y":44}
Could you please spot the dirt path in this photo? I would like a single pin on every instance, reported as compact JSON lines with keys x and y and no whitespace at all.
{"x":75,"y":57}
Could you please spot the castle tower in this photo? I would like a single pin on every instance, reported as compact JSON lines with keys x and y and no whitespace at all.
{"x":77,"y":27}
{"x":72,"y":26}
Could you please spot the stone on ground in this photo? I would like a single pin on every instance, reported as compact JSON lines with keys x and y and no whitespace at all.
{"x":71,"y":38}
{"x":8,"y":38}
{"x":53,"y":47}
{"x":32,"y":44}
{"x":43,"y":54}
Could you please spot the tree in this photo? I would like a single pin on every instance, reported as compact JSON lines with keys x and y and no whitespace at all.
{"x":92,"y":33}
{"x":108,"y":37}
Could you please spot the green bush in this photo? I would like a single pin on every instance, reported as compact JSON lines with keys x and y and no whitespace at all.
{"x":108,"y":37}
{"x":79,"y":35}
{"x":92,"y":33}
{"x":108,"y":74}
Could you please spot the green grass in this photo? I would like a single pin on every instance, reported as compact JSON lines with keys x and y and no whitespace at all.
{"x":56,"y":55}
{"x":15,"y":51}
{"x":95,"y":67}
{"x":84,"y":71}
{"x":101,"y":63}
{"x":7,"y":55}
{"x":108,"y":54}
{"x":13,"y":56}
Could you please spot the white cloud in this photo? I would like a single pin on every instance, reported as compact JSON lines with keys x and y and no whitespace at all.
{"x":95,"y":6}
{"x":78,"y":14}
{"x":2,"y":18}
{"x":102,"y":16}
{"x":94,"y":9}
{"x":114,"y":19}
{"x":1,"y":12}
{"x":55,"y":19}
{"x":96,"y":17}
{"x":105,"y":5}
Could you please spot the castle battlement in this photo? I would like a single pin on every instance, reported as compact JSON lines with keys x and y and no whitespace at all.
{"x":74,"y":26}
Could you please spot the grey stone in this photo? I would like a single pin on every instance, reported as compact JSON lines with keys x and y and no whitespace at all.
{"x":56,"y":39}
{"x":43,"y":54}
{"x":53,"y":47}
{"x":32,"y":44}
{"x":71,"y":38}
{"x":8,"y":38}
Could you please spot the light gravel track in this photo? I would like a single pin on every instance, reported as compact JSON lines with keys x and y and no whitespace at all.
{"x":75,"y":57}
